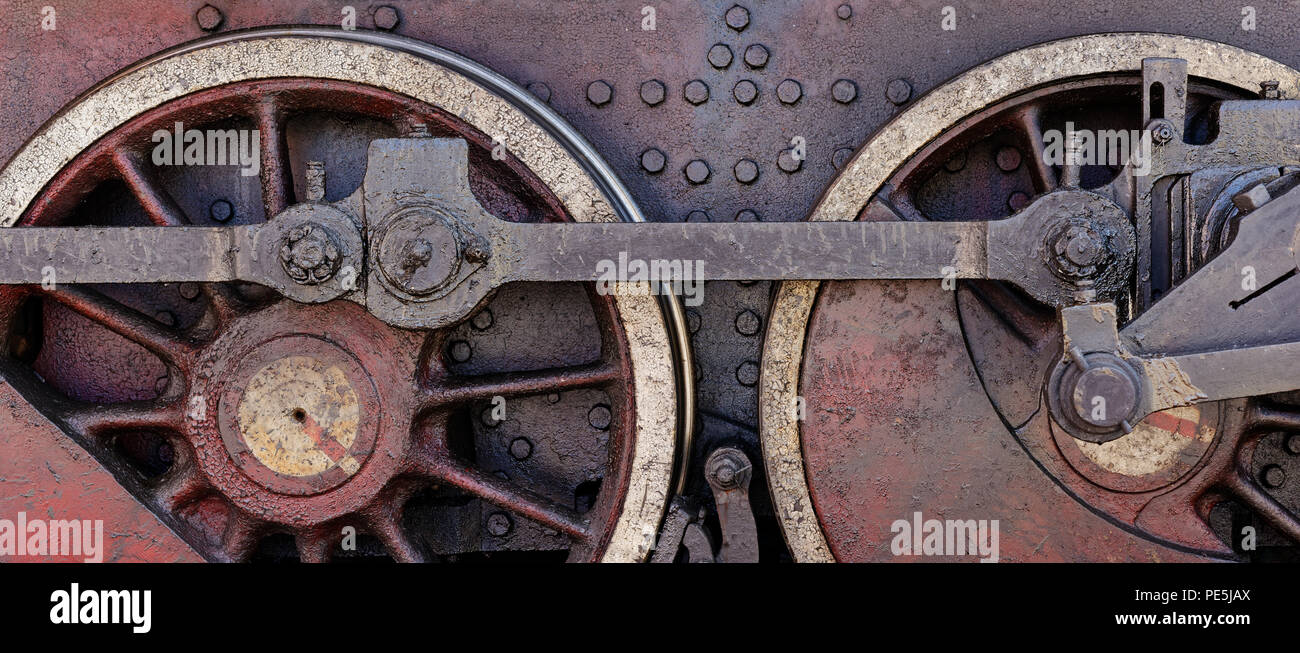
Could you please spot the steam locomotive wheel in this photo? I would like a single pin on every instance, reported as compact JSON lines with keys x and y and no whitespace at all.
{"x":255,"y":426}
{"x":920,"y":399}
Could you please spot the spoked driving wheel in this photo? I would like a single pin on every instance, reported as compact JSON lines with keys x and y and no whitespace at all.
{"x":255,"y":426}
{"x":902,"y":379}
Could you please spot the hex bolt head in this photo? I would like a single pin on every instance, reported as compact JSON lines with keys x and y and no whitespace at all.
{"x":521,"y":448}
{"x":460,"y":351}
{"x":697,"y":171}
{"x":720,"y":56}
{"x":841,"y":157}
{"x":483,"y":320}
{"x":541,"y":91}
{"x":309,"y":254}
{"x":1008,"y":159}
{"x":746,"y":171}
{"x":789,"y":91}
{"x":747,"y":215}
{"x":696,"y":91}
{"x":653,"y":161}
{"x":387,"y":18}
{"x":697,"y":215}
{"x":1162,"y":131}
{"x":844,"y":11}
{"x":844,"y":91}
{"x":756,"y":55}
{"x":209,"y":18}
{"x":600,"y":92}
{"x":1272,"y":476}
{"x":898,"y":91}
{"x":748,"y":323}
{"x":745,"y":92}
{"x":599,"y":417}
{"x":499,"y":524}
{"x":1270,"y":90}
{"x":737,"y":18}
{"x":653,"y":92}
{"x":727,"y":468}
{"x":747,"y":374}
{"x":787,"y":162}
{"x":221,"y":211}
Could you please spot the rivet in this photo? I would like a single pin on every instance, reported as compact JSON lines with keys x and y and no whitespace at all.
{"x":483,"y":320}
{"x":789,"y":91}
{"x":653,"y":161}
{"x":696,"y":91}
{"x":720,"y":56}
{"x":553,"y":398}
{"x":698,"y":215}
{"x":488,"y":419}
{"x":955,"y":162}
{"x":460,"y":351}
{"x":747,"y":374}
{"x":1017,"y":201}
{"x":746,"y":171}
{"x":1008,"y":159}
{"x":844,"y":11}
{"x":898,"y":91}
{"x":747,"y":215}
{"x":599,"y":93}
{"x":737,"y":18}
{"x":599,"y":417}
{"x":653,"y":92}
{"x":841,"y":156}
{"x":748,"y":323}
{"x":221,"y":211}
{"x":189,"y":290}
{"x":1273,"y":476}
{"x":844,"y":91}
{"x":1292,"y":444}
{"x":756,"y":56}
{"x":210,"y":18}
{"x":787,"y":162}
{"x":386,"y":17}
{"x":697,"y":171}
{"x":520,"y":448}
{"x":499,"y":524}
{"x":541,"y":91}
{"x":167,"y":318}
{"x":692,"y":321}
{"x":745,"y":92}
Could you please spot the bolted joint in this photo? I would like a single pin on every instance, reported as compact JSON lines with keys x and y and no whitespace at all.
{"x":727,"y":468}
{"x":310,"y":254}
{"x":1096,"y":396}
{"x":1162,"y":131}
{"x":1078,"y":250}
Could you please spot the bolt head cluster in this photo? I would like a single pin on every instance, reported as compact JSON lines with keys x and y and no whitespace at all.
{"x":309,"y":255}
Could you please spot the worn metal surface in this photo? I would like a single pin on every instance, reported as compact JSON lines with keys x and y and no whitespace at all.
{"x":885,"y":359}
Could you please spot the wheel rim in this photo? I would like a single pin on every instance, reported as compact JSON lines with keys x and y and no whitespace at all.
{"x":890,"y":152}
{"x":554,"y":167}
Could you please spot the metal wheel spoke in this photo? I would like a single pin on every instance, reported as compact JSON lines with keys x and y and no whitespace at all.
{"x":1244,"y":489}
{"x":240,"y":537}
{"x":508,"y":384}
{"x":1265,"y":418}
{"x":124,"y":321}
{"x":181,"y":486}
{"x":513,"y":498}
{"x":157,"y":202}
{"x":277,"y":185}
{"x":315,"y":546}
{"x":95,"y":419}
{"x":1032,"y":131}
{"x":386,"y":525}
